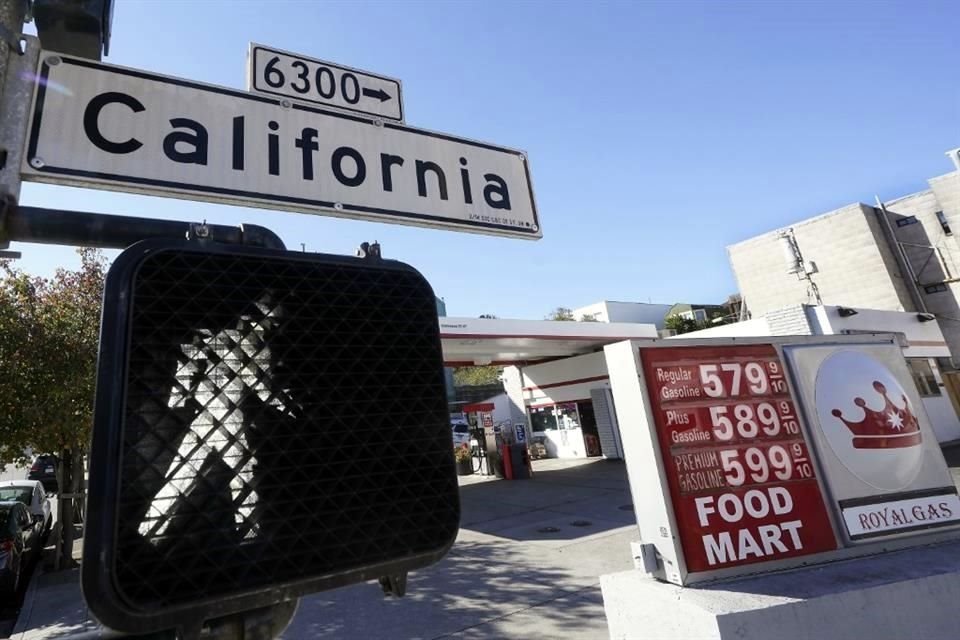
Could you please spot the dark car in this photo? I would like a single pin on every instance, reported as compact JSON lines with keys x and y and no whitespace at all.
{"x":44,"y":469}
{"x":19,"y":540}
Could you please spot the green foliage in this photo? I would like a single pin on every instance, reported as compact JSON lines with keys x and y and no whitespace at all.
{"x":589,"y":317}
{"x":474,"y":376}
{"x":461,"y":454}
{"x":49,"y":332}
{"x":679,"y":324}
{"x":561,"y":313}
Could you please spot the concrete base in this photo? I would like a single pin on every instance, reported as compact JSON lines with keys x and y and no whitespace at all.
{"x":904,"y":594}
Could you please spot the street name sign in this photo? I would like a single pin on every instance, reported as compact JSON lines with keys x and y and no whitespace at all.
{"x":109,"y":127}
{"x":281,"y":73}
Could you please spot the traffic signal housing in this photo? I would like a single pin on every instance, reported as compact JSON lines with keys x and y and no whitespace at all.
{"x":267,"y":424}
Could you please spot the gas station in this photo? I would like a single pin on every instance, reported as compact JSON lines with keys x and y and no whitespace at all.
{"x":789,"y":479}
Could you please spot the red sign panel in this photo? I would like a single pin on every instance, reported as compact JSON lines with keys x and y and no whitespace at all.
{"x":743,"y":485}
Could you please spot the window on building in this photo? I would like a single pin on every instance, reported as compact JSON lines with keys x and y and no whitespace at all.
{"x":559,"y":416}
{"x":543,"y":419}
{"x":923,"y":375}
{"x":935,"y":288}
{"x":567,"y":416}
{"x":945,"y":364}
{"x":904,"y":221}
{"x":943,"y":223}
{"x":700,"y":315}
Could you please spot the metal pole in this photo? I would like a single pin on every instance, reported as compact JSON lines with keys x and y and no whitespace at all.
{"x":86,"y":229}
{"x":900,"y":256}
{"x":15,"y":92}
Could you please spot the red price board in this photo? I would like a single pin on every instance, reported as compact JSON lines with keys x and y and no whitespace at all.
{"x":743,"y":485}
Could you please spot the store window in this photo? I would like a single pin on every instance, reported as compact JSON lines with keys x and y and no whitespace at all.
{"x":567,"y":416}
{"x":563,"y":417}
{"x":923,"y":377}
{"x":543,"y":419}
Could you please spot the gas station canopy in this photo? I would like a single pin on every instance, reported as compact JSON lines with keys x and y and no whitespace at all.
{"x":483,"y":341}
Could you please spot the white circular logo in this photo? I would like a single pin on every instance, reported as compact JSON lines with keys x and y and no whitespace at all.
{"x":868,"y":421}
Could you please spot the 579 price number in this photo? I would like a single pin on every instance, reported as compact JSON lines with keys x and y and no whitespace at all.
{"x":758,"y":465}
{"x":738,"y":378}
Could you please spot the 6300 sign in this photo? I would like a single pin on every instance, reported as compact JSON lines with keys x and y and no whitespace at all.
{"x":281,"y":73}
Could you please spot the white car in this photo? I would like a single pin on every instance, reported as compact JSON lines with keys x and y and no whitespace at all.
{"x":461,"y":434}
{"x":32,"y":494}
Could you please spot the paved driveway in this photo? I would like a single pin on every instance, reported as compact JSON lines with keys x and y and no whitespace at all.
{"x":525,"y":565}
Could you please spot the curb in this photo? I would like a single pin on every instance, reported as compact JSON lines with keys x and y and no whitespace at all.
{"x":26,"y":611}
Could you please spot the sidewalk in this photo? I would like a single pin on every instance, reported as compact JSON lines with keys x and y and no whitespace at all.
{"x":525,"y":565}
{"x":53,"y":606}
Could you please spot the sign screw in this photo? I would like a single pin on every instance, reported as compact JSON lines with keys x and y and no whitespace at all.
{"x":37,"y":163}
{"x":53,"y":61}
{"x":338,"y":206}
{"x":286,"y":104}
{"x":378,"y":123}
{"x":535,"y":228}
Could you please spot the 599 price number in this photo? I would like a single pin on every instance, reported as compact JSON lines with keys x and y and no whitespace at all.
{"x":758,"y":465}
{"x":729,"y":379}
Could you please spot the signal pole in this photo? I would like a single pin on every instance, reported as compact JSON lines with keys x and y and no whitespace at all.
{"x":13,"y":13}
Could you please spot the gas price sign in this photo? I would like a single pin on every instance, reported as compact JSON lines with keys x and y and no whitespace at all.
{"x":741,"y":478}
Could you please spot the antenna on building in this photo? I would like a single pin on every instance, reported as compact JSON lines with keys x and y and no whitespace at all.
{"x":796,"y":264}
{"x":954,"y":155}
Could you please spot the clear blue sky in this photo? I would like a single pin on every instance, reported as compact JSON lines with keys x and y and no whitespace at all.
{"x":658,"y":133}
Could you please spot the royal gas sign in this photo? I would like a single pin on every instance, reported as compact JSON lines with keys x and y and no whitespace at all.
{"x":747,"y":456}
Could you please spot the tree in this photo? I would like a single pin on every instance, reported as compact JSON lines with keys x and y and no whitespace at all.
{"x":679,"y":324}
{"x":49,"y":332}
{"x":562,"y":314}
{"x":474,"y":376}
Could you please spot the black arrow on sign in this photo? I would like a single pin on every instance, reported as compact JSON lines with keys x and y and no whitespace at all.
{"x":376,"y":93}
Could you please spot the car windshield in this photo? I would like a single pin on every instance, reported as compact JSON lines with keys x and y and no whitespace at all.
{"x":20,"y":494}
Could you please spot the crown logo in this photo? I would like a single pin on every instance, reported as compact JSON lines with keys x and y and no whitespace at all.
{"x":889,"y":428}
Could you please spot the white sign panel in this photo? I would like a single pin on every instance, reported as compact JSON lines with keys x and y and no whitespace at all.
{"x":912,"y":514}
{"x":281,"y":73}
{"x":109,"y":127}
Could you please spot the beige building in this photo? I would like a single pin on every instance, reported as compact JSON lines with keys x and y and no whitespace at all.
{"x":901,"y":255}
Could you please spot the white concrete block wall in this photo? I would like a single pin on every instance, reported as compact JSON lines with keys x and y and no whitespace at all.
{"x":789,"y":321}
{"x":848,"y":251}
{"x":947,"y":190}
{"x":747,"y":328}
{"x":638,"y":312}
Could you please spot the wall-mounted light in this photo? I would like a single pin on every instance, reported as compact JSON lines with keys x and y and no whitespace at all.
{"x":846,"y":312}
{"x":926,"y":317}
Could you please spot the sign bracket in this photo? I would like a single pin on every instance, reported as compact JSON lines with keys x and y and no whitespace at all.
{"x":82,"y":228}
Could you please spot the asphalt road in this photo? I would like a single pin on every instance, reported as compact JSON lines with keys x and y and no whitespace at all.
{"x":9,"y":611}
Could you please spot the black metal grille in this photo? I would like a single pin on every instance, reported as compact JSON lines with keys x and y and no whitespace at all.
{"x":284,"y":419}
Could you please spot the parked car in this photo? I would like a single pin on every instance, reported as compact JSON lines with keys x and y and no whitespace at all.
{"x":461,"y":434}
{"x":19,"y":540}
{"x":32,"y":494}
{"x":44,"y":469}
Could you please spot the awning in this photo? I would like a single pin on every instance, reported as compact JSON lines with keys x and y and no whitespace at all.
{"x":482,"y":341}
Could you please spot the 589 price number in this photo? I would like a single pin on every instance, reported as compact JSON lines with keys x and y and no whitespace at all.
{"x":737,"y":378}
{"x":748,"y":421}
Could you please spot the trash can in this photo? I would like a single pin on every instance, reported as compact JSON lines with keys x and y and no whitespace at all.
{"x":520,"y":460}
{"x":514,"y":461}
